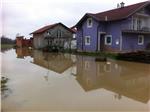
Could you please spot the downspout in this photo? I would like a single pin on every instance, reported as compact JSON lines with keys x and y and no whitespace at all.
{"x":120,"y":42}
{"x":97,"y":37}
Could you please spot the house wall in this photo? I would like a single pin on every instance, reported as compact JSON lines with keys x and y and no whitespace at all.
{"x":127,"y":42}
{"x":40,"y":41}
{"x":110,"y":28}
{"x":130,"y":42}
{"x":19,"y":42}
{"x":114,"y":29}
{"x":64,"y":32}
{"x":92,"y":32}
{"x":85,"y":31}
{"x":79,"y":35}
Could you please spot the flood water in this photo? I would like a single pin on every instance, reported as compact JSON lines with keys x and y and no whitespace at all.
{"x":62,"y":82}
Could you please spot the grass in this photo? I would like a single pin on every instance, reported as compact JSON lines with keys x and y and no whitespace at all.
{"x":94,"y":54}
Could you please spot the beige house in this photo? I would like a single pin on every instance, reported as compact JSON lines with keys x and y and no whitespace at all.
{"x":53,"y":35}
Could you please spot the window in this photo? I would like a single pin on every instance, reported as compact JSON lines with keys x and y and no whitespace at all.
{"x":108,"y":40}
{"x":140,"y":40}
{"x":59,"y":33}
{"x":48,"y":33}
{"x":89,"y":22}
{"x":87,"y":40}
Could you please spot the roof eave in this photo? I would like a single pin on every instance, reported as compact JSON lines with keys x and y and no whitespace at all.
{"x":85,"y":16}
{"x":146,"y":4}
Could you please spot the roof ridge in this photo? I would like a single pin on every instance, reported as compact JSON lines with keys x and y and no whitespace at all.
{"x":123,"y":7}
{"x":46,"y":27}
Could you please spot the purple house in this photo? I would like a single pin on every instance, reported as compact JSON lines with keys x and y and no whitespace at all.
{"x":124,"y":29}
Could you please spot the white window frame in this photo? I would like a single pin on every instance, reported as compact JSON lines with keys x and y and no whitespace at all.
{"x":141,"y":36}
{"x":86,"y":43}
{"x":106,"y":40}
{"x":89,"y":25}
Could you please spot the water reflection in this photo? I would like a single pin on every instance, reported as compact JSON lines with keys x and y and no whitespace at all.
{"x":24,"y":52}
{"x":57,"y":62}
{"x":127,"y":79}
{"x":52,"y":61}
{"x":123,"y":78}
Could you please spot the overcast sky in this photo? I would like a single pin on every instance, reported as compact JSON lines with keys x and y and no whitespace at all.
{"x":25,"y":16}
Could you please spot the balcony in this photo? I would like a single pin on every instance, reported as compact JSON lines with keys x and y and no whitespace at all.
{"x":143,"y":30}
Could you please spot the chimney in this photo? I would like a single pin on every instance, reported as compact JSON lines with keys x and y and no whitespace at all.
{"x":122,"y":4}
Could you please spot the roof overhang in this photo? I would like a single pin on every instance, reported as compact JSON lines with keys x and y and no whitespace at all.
{"x":103,"y":20}
{"x":87,"y":15}
{"x":54,"y":25}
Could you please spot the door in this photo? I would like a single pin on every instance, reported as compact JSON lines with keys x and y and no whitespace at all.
{"x":101,"y":42}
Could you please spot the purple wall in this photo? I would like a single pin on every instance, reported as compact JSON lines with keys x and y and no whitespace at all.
{"x":85,"y":31}
{"x":90,"y":32}
{"x":130,"y":42}
{"x":111,"y":28}
{"x":115,"y":29}
{"x":79,"y":38}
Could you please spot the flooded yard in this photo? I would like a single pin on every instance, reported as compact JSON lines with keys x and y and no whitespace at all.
{"x":63,"y":82}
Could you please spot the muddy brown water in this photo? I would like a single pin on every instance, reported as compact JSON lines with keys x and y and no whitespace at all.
{"x":62,"y":82}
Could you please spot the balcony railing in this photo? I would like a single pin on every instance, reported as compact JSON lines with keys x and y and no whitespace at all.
{"x":145,"y":29}
{"x":130,"y":29}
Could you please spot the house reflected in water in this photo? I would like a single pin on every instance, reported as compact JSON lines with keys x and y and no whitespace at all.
{"x":56,"y":62}
{"x":123,"y":78}
{"x":127,"y":79}
{"x":23,"y":52}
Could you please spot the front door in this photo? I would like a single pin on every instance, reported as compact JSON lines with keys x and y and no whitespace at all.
{"x":101,"y":42}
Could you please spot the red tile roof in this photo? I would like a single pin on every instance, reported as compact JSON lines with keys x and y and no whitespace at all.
{"x":45,"y":28}
{"x":118,"y":13}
